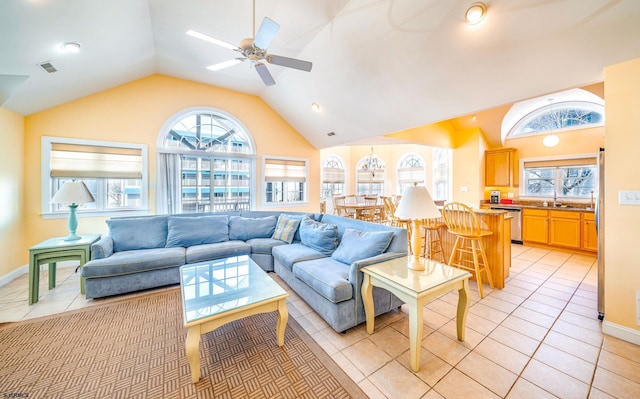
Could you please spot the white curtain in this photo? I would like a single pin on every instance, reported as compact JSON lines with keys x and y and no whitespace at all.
{"x":168,"y":184}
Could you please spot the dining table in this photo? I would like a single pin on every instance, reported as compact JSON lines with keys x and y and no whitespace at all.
{"x":358,"y":209}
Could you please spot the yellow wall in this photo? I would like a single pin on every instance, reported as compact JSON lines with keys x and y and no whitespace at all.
{"x":622,"y":274}
{"x":468,"y":166}
{"x":135,"y":113}
{"x":12,"y":238}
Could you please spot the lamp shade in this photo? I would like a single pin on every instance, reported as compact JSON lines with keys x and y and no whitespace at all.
{"x":73,"y":192}
{"x":416,"y":204}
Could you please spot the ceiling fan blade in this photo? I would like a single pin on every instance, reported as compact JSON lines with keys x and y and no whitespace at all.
{"x":213,"y":40}
{"x":225,"y":64}
{"x":289,"y":62}
{"x":264,"y":74}
{"x":266,"y":32}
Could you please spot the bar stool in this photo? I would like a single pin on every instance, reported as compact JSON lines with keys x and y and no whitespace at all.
{"x":431,"y":243}
{"x":463,"y":222}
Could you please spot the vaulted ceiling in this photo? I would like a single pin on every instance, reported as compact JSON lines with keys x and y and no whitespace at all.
{"x":379,"y":66}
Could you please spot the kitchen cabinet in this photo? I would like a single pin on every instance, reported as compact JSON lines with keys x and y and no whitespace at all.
{"x":564,"y":229}
{"x":535,"y":226}
{"x":561,"y":229}
{"x":501,"y":168}
{"x":589,"y":233}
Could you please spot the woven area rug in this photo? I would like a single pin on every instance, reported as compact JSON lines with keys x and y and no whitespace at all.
{"x":134,"y":348}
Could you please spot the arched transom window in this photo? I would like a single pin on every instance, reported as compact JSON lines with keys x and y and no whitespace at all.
{"x":411,"y":170}
{"x":205,"y":163}
{"x":333,"y":177}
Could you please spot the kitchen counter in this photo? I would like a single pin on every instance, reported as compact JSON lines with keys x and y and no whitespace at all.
{"x":563,"y":207}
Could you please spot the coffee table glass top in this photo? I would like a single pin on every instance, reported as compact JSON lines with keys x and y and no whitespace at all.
{"x":218,"y":286}
{"x":435,"y":273}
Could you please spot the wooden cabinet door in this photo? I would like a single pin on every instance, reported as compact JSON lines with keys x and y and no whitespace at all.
{"x":535,"y":226}
{"x":498,"y":168}
{"x":564,"y":228}
{"x":589,"y":233}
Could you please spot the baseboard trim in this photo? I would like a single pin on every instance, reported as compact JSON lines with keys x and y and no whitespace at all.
{"x":14,"y":274}
{"x":621,"y":332}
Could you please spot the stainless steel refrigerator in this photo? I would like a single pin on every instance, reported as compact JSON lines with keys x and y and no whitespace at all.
{"x":600,"y":229}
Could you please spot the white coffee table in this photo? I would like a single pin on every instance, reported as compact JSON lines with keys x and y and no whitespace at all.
{"x":220,"y":291}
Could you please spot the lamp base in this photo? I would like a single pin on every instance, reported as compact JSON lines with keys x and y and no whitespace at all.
{"x":72,"y":237}
{"x":415,"y":264}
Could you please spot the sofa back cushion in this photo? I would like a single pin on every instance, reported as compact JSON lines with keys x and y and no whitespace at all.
{"x":322,"y":237}
{"x":189,"y":231}
{"x":357,"y":245}
{"x":241,"y":228}
{"x":138,"y":233}
{"x":287,"y":227}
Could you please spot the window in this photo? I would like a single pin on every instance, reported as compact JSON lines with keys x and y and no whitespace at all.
{"x":558,"y":117}
{"x":563,"y":178}
{"x":562,"y":111}
{"x":441,"y":162}
{"x":114,"y":173}
{"x":285,"y":180}
{"x":333,"y":176}
{"x":411,"y":170}
{"x":205,"y":163}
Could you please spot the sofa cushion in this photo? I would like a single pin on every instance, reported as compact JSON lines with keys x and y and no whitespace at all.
{"x":201,"y":253}
{"x":286,"y":228}
{"x":241,"y":228}
{"x":327,"y":277}
{"x":135,"y":261}
{"x":287,"y":255}
{"x":357,"y":245}
{"x":322,"y":237}
{"x":138,"y":233}
{"x":188,"y":231}
{"x":263,"y":245}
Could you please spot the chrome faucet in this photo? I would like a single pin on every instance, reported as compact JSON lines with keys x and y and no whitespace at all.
{"x":554,"y":198}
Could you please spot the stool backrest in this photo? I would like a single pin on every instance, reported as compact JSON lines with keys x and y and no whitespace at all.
{"x":460,"y":217}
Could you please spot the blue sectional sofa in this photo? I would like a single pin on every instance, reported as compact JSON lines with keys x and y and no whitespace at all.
{"x":318,"y":255}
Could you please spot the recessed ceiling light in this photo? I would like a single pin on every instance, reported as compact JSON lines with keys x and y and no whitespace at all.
{"x":71,"y":47}
{"x":475,"y":13}
{"x":315,"y":107}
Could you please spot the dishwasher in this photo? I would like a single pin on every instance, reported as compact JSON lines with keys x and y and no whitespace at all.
{"x":516,"y":222}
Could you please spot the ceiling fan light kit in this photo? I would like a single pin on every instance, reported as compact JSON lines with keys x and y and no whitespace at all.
{"x":255,"y":50}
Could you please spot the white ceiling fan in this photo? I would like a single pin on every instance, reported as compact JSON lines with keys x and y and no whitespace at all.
{"x":255,"y":50}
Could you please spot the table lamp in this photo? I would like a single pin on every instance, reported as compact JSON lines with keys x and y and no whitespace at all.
{"x":416,"y":204}
{"x":72,"y":193}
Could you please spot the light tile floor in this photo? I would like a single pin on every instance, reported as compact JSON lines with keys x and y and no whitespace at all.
{"x":539,"y":337}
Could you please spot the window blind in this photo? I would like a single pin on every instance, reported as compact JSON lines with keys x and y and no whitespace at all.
{"x":285,"y":170}
{"x":411,"y":175}
{"x":89,"y":161}
{"x":332,"y":175}
{"x":367,"y":177}
{"x":561,"y":163}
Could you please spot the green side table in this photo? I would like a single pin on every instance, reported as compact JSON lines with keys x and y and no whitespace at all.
{"x":56,"y":250}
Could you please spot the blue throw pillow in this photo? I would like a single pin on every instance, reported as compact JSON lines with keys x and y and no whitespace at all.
{"x":247,"y":228}
{"x":286,"y":228}
{"x":138,"y":233}
{"x":357,"y":245}
{"x":188,"y":231}
{"x":322,"y":237}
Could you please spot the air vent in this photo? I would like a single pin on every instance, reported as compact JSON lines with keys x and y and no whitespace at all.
{"x":331,"y":134}
{"x":48,"y":67}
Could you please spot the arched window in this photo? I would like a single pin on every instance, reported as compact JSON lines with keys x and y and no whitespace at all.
{"x":205,"y":163}
{"x":411,"y":170}
{"x":370,"y":175}
{"x":441,"y":162}
{"x":567,"y":110}
{"x":333,"y":177}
